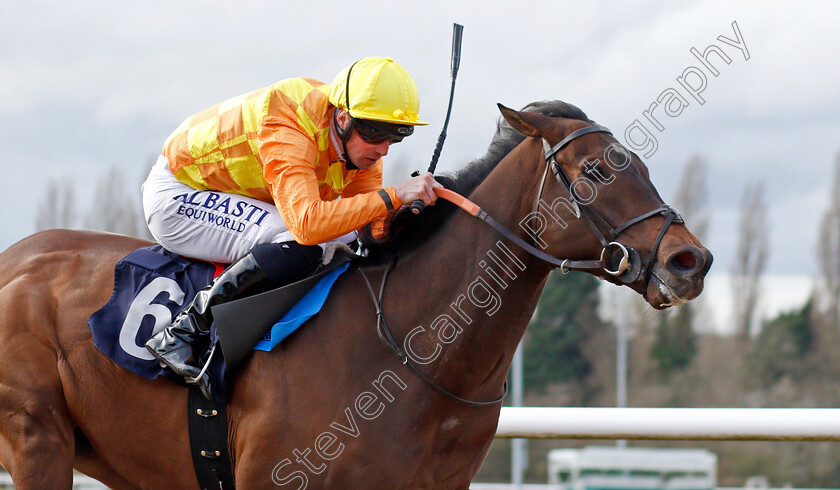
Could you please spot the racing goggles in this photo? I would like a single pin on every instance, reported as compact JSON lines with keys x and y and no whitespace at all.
{"x":375,"y":132}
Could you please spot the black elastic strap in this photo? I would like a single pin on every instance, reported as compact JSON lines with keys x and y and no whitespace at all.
{"x":347,"y":86}
{"x":345,"y":132}
{"x":385,"y":197}
{"x":343,"y":136}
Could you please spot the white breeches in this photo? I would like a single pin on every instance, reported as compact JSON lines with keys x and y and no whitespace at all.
{"x":209,"y":225}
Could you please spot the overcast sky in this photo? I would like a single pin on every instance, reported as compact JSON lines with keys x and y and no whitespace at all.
{"x":88,"y":85}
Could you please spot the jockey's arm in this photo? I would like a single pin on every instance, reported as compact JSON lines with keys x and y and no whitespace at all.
{"x":370,"y":181}
{"x":420,"y":187}
{"x":288,"y":157}
{"x":365,"y":181}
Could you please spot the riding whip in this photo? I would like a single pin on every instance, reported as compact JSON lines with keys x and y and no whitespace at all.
{"x":457,"y":31}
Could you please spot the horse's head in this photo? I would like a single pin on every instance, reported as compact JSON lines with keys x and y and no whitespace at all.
{"x":637,"y":240}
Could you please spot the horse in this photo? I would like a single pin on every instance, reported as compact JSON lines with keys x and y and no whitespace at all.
{"x":334,"y":406}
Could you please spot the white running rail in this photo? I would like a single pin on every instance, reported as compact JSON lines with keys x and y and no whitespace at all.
{"x":779,"y":424}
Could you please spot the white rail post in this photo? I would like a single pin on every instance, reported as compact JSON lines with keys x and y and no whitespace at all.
{"x":518,"y":459}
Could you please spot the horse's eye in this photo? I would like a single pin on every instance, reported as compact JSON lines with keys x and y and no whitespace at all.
{"x":599,"y":172}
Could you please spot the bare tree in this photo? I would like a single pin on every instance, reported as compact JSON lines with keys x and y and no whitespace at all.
{"x":829,"y":249}
{"x":750,"y":259}
{"x":114,"y":206}
{"x":691,"y":200}
{"x":137,"y":197}
{"x":674,"y":343}
{"x":692,"y":196}
{"x":58,"y":208}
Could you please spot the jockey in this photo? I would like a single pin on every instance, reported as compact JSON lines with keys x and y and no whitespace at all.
{"x":263,"y":180}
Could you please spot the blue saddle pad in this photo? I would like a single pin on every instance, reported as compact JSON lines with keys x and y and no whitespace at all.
{"x":152,"y":285}
{"x":303,"y":310}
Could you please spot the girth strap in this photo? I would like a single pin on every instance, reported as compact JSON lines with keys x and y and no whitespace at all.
{"x":207,"y":425}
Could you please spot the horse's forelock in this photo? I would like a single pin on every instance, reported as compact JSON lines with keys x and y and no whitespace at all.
{"x":408,"y":230}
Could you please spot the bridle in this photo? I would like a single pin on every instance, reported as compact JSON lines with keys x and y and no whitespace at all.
{"x":617,"y":259}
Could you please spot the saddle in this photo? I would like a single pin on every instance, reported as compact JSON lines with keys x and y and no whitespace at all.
{"x":242,"y":324}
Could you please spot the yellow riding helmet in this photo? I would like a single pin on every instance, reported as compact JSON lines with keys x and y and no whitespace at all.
{"x":377,"y":89}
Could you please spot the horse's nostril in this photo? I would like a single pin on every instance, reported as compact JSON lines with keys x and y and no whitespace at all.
{"x":687,"y":260}
{"x":683,"y":262}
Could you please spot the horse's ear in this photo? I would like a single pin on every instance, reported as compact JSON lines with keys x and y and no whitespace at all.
{"x":527,"y":123}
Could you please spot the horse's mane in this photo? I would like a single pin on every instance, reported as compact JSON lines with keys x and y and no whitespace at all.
{"x":406,"y":230}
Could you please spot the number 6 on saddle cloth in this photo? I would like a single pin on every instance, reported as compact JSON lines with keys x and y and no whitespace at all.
{"x":152,"y":285}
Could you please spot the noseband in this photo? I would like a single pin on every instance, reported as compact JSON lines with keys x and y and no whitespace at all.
{"x":617,"y":259}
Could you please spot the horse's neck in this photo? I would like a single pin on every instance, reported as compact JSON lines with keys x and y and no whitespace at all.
{"x":475,"y":291}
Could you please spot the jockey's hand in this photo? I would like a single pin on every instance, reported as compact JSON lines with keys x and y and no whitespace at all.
{"x":420,"y":187}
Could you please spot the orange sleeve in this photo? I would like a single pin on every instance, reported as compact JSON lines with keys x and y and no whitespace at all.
{"x":289,"y":157}
{"x":368,"y":181}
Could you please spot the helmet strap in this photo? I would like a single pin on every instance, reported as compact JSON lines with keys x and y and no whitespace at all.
{"x":345,"y":132}
{"x":344,"y":135}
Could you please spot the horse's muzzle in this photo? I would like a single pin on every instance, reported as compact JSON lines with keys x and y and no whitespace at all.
{"x":679,"y":277}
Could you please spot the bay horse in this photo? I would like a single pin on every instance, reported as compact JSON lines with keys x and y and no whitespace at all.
{"x":333,"y":406}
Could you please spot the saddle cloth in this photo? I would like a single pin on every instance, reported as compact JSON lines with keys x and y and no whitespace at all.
{"x":152,"y":285}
